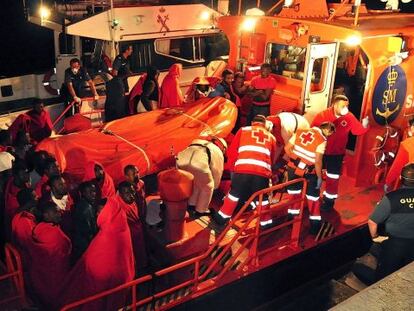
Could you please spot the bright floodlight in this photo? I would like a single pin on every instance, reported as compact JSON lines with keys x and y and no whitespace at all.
{"x":248,"y":24}
{"x":353,"y":40}
{"x":205,"y":15}
{"x":44,"y":12}
{"x":254,"y":12}
{"x":288,"y":3}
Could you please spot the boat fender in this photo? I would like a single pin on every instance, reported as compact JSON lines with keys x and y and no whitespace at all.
{"x":175,"y":187}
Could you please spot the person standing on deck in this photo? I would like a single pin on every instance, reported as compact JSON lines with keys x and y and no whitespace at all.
{"x":204,"y":158}
{"x":75,"y":78}
{"x":345,"y":123}
{"x":305,"y":150}
{"x":120,"y":67}
{"x":261,"y":89}
{"x":251,"y":154}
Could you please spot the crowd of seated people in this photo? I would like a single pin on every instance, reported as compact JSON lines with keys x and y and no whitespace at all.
{"x":75,"y":238}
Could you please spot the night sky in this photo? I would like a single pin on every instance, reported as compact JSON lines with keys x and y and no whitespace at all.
{"x":27,"y":48}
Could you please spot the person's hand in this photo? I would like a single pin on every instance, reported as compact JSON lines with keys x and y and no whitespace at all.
{"x":96,"y":97}
{"x":365,"y":122}
{"x":386,"y":188}
{"x":226,"y":95}
{"x":77,"y":99}
{"x":319,"y":183}
{"x":380,"y":239}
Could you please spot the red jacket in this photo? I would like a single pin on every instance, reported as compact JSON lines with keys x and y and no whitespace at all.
{"x":404,"y":156}
{"x":337,"y":142}
{"x":252,"y":151}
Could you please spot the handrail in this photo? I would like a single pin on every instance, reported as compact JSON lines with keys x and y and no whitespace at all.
{"x":133,"y":284}
{"x":251,"y":239}
{"x":15,"y":272}
{"x":71,"y":104}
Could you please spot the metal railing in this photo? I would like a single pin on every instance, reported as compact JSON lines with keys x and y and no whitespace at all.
{"x":200,"y":266}
{"x":14,"y":274}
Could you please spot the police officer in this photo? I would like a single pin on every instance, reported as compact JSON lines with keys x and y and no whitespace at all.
{"x":120,"y":67}
{"x":396,"y":212}
{"x":75,"y":78}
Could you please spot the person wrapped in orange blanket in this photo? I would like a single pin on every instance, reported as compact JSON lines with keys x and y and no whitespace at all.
{"x":126,"y":199}
{"x":50,"y":255}
{"x":171,"y":95}
{"x":107,"y":262}
{"x":95,"y":171}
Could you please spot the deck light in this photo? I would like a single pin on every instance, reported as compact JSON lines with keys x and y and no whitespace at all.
{"x":353,"y":40}
{"x":44,"y":12}
{"x":248,"y":24}
{"x":205,"y":15}
{"x":288,"y":3}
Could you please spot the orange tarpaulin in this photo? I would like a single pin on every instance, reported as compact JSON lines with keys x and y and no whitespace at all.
{"x":150,"y":138}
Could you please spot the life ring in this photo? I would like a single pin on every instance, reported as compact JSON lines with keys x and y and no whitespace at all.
{"x":47,"y":83}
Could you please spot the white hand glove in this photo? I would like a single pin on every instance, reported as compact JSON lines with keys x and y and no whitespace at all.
{"x":319,"y":183}
{"x":96,"y":97}
{"x":365,"y":122}
{"x":77,"y":99}
{"x":269,"y":125}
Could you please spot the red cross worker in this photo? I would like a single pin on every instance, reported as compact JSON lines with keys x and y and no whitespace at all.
{"x":250,"y":157}
{"x":305,"y":150}
{"x":345,"y":122}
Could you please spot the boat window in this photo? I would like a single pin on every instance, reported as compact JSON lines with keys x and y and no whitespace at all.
{"x":66,"y":44}
{"x":319,"y":74}
{"x":185,"y":49}
{"x":287,"y":60}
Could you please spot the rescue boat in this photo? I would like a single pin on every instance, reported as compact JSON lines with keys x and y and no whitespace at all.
{"x":241,"y":266}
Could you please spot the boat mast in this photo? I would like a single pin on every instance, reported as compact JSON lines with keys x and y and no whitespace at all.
{"x":112,"y":23}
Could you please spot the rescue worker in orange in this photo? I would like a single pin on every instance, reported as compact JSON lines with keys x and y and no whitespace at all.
{"x":345,"y":122}
{"x":409,"y":131}
{"x":305,"y":150}
{"x":405,"y":155}
{"x":251,"y":156}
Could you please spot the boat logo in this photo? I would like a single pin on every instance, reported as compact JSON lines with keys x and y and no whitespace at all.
{"x":162,"y":19}
{"x":389,"y":95}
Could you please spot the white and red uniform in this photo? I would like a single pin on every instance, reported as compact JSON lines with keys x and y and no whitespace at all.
{"x":336,"y":146}
{"x":306,"y":145}
{"x":205,"y":161}
{"x":404,"y":156}
{"x":251,"y":155}
{"x":285,"y":124}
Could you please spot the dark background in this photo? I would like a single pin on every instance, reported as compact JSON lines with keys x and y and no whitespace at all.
{"x":28,"y":48}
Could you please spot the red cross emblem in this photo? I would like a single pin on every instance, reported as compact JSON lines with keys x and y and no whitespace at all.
{"x":307,"y":138}
{"x":260,"y":136}
{"x":163,"y":20}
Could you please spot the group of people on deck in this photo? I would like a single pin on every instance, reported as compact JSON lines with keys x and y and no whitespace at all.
{"x":80,"y":237}
{"x":76,"y":237}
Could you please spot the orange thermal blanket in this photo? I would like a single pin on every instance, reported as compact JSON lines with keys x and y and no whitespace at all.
{"x":146,"y":140}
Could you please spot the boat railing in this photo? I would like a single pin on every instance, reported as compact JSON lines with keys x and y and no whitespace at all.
{"x":13,"y":275}
{"x":93,"y":110}
{"x":209,"y":269}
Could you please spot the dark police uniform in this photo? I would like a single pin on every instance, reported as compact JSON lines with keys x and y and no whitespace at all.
{"x":121,"y":64}
{"x":396,"y":211}
{"x":78,"y":81}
